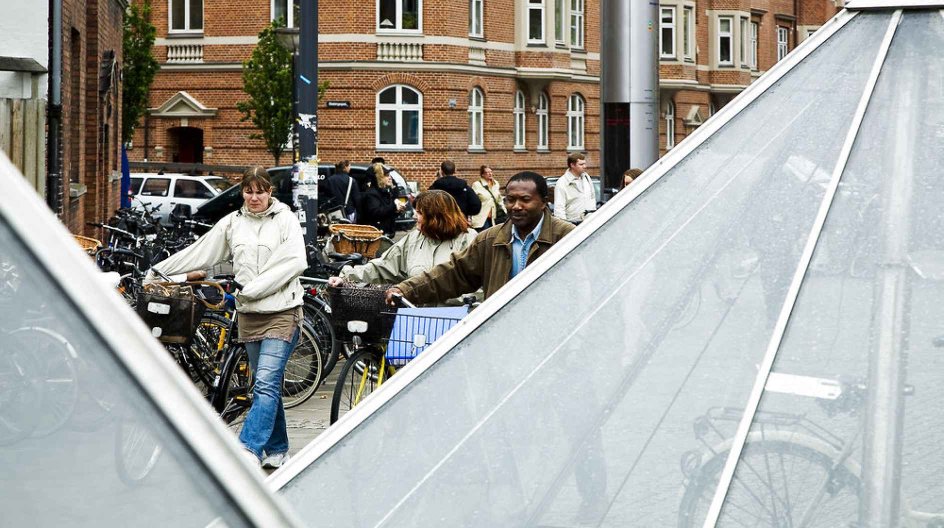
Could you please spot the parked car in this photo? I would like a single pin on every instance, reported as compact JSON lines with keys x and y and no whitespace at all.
{"x":281,"y":178}
{"x":168,"y":190}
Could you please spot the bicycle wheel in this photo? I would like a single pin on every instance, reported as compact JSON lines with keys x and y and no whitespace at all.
{"x":233,"y":396}
{"x":136,"y":452}
{"x":777,"y":483}
{"x":210,"y":339}
{"x":21,"y":394}
{"x":358,"y":378}
{"x":324,"y":335}
{"x":303,"y":372}
{"x":57,"y":376}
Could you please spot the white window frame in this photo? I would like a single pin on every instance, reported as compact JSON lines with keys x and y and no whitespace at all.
{"x":667,"y":13}
{"x":186,"y":28}
{"x":398,"y":23}
{"x":519,"y":116}
{"x":576,"y":120}
{"x":542,"y":115}
{"x":399,"y":107}
{"x":783,"y":42}
{"x":289,"y":12}
{"x":476,"y":18}
{"x":753,"y":47}
{"x":535,"y":5}
{"x":669,"y":125}
{"x":688,"y":39}
{"x":559,"y":28}
{"x":476,"y":119}
{"x":729,"y":35}
{"x":576,"y":23}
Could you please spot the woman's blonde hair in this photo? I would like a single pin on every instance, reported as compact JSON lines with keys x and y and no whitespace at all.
{"x":379,"y":180}
{"x":256,"y":178}
{"x":442,"y":218}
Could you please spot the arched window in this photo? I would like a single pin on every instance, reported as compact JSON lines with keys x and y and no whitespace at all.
{"x":669,"y":125}
{"x":542,"y":120}
{"x":519,"y":120}
{"x":476,"y":117}
{"x":399,"y":118}
{"x":575,"y":122}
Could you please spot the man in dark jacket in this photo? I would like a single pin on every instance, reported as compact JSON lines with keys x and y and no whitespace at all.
{"x":340,"y":188}
{"x":498,"y":253}
{"x":468,"y":201}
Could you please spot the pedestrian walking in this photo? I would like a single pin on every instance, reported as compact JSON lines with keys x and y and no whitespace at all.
{"x":379,"y":204}
{"x":629,"y":176}
{"x":264,"y":240}
{"x":574,"y":194}
{"x":466,"y":198}
{"x":340,"y":189}
{"x":497,"y":254}
{"x":489,"y":193}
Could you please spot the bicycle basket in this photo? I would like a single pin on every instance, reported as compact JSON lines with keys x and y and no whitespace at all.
{"x":414,"y":329}
{"x":170,"y":311}
{"x":88,"y":244}
{"x":354,"y":238}
{"x":360,"y":304}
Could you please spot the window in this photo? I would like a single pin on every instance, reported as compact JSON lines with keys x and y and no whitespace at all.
{"x":475,"y":18}
{"x":535,"y":20}
{"x":191,"y":189}
{"x":742,"y":38}
{"x":752,"y":59}
{"x":287,"y":10}
{"x":542,"y":121}
{"x":135,"y":186}
{"x":711,"y":108}
{"x":156,"y":187}
{"x":669,"y":125}
{"x":559,"y":21}
{"x":398,"y":15}
{"x":576,"y":23}
{"x":186,"y":16}
{"x":688,"y":35}
{"x":575,"y":122}
{"x":476,"y":116}
{"x":782,"y":46}
{"x":725,"y":41}
{"x":519,"y":119}
{"x":399,"y":118}
{"x":667,"y":33}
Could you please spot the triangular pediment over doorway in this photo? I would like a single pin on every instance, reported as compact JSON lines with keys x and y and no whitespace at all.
{"x":182,"y":104}
{"x":693,"y":118}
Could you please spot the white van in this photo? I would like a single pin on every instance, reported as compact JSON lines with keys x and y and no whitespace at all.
{"x":168,"y":190}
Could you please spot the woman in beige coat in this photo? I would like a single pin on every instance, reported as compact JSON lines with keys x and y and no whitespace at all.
{"x":489,"y":192}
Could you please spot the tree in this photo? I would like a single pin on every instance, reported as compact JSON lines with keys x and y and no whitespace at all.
{"x":267,"y":80}
{"x":139,"y":66}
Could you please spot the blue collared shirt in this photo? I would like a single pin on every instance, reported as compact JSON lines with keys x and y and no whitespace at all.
{"x":521,"y":248}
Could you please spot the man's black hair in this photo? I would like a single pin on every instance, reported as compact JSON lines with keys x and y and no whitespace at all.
{"x":378,"y":159}
{"x":339,"y":166}
{"x":447,"y":168}
{"x":539,"y":182}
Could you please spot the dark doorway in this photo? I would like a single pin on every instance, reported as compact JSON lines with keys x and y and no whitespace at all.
{"x":186,"y":145}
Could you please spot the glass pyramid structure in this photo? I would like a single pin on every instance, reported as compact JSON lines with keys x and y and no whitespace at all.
{"x":747,"y":336}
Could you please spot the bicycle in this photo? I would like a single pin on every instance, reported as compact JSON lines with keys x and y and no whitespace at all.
{"x":381,"y":340}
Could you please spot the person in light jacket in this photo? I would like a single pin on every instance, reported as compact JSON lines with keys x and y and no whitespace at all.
{"x":264,"y":240}
{"x":441,"y":230}
{"x":489,"y":192}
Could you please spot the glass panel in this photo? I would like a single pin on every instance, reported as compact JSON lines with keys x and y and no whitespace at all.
{"x":411,"y":14}
{"x":177,"y":14}
{"x":559,"y":20}
{"x":196,"y":14}
{"x":388,"y":14}
{"x":389,"y":96}
{"x":535,"y":27}
{"x":410,"y":96}
{"x":388,"y":127}
{"x":660,"y":315}
{"x":411,"y":127}
{"x":82,"y":446}
{"x":280,"y":10}
{"x":156,"y":187}
{"x":835,"y":331}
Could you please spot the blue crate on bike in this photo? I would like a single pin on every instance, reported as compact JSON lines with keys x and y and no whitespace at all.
{"x":414,"y":329}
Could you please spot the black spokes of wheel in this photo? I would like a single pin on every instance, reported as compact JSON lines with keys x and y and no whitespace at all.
{"x":358,"y":378}
{"x":209,"y":341}
{"x":324,"y":335}
{"x":234,"y":394}
{"x":303,"y":372}
{"x":777,"y":483}
{"x":137,"y":451}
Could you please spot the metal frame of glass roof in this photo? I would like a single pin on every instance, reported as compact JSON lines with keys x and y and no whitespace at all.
{"x":855,"y":5}
{"x":148,"y":364}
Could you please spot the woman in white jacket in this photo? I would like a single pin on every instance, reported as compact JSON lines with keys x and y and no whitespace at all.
{"x":265,"y":241}
{"x":441,"y":230}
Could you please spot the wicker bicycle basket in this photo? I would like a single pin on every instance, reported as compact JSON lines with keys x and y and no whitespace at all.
{"x":355,"y":238}
{"x":88,"y":244}
{"x":361,"y":304}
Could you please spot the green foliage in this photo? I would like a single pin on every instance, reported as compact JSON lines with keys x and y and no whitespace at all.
{"x":139,"y":66}
{"x":267,"y":80}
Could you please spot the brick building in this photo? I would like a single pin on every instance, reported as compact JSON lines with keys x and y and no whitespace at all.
{"x":511,"y":83}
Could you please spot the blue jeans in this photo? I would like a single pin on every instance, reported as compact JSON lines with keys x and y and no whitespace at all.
{"x":264,"y":431}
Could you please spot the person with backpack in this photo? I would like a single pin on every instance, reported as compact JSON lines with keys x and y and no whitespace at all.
{"x":466,"y":198}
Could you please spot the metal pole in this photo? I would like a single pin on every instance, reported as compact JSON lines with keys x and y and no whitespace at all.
{"x":615,"y":92}
{"x":306,"y":80}
{"x":644,"y":83}
{"x":54,"y":146}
